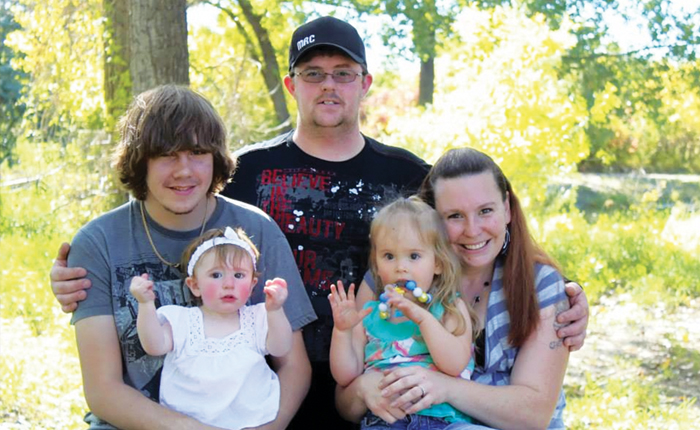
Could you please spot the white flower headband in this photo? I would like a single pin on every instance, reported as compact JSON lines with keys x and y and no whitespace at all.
{"x":230,"y":238}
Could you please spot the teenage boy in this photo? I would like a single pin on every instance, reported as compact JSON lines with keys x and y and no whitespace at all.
{"x":322,"y":183}
{"x":173,"y":158}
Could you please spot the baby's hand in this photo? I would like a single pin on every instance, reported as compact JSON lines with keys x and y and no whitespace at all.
{"x":409,"y":308}
{"x":345,"y":314}
{"x":275,"y":293}
{"x":142,"y":289}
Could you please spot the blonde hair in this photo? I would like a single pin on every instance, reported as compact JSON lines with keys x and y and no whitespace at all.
{"x":427,"y":222}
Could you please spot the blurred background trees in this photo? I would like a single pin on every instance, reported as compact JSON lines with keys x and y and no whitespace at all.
{"x":11,"y":83}
{"x":632,"y":66}
{"x":550,"y":88}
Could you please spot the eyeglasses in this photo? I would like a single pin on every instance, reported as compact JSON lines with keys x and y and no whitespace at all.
{"x":340,"y":76}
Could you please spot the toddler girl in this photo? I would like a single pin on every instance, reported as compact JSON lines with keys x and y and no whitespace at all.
{"x":419,"y":319}
{"x":215,"y":369}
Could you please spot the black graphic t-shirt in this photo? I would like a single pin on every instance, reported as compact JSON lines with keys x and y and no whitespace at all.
{"x":324,"y":209}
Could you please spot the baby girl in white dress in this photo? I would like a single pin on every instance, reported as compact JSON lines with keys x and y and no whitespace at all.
{"x":215,"y":369}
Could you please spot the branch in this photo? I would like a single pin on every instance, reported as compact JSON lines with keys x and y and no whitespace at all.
{"x":18,"y":183}
{"x":239,"y":26}
{"x":622,"y":54}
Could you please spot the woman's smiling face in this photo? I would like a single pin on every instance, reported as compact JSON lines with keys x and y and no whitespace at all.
{"x":475,"y":215}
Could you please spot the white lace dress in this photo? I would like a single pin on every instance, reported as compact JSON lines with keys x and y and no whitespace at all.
{"x":222,"y":382}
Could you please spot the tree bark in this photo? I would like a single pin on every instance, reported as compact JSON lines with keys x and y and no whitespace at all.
{"x":426,"y":87}
{"x":116,"y":60}
{"x":158,"y":43}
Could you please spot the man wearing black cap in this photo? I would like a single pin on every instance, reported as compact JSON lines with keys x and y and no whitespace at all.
{"x":323,"y":182}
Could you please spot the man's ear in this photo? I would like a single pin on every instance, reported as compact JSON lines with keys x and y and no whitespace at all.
{"x":192,"y":285}
{"x":366,"y":84}
{"x":289,"y":84}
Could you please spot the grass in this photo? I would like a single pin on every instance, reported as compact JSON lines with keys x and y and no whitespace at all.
{"x":41,"y":386}
{"x":615,"y":403}
{"x":639,"y":369}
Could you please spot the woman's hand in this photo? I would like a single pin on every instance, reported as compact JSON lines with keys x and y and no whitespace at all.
{"x":380,"y":405}
{"x":413,"y":388}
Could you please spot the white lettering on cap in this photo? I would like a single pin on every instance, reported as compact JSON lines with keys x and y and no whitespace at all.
{"x":305,"y":41}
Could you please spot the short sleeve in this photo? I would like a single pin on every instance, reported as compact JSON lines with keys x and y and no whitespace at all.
{"x":259,"y":314}
{"x":177,"y":317}
{"x":89,"y":252}
{"x":550,"y":286}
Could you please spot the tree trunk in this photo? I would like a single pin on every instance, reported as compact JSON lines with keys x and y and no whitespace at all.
{"x":146,"y":46}
{"x":116,"y":60}
{"x":270,"y":68}
{"x":425,"y":19}
{"x":158,"y":43}
{"x":426,"y":86}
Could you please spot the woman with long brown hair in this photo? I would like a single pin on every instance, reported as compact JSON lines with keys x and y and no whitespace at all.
{"x":516,"y":291}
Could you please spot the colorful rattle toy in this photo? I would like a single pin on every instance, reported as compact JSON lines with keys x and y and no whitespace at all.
{"x":408,"y":285}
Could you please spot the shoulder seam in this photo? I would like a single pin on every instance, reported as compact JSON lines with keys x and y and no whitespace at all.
{"x":396,"y":152}
{"x":259,"y":146}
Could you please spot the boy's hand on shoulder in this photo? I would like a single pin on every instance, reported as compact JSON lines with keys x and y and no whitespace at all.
{"x":142,"y":289}
{"x":275,"y":294}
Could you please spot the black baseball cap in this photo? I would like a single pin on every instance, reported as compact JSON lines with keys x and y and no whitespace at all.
{"x":326,"y":31}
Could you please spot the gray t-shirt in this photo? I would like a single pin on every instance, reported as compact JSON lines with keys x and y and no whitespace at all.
{"x":114,"y":248}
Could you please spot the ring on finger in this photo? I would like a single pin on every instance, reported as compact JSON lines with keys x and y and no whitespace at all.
{"x":422,"y":391}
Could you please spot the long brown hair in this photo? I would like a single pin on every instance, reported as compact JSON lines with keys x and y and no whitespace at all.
{"x":523,"y":252}
{"x":164,"y":120}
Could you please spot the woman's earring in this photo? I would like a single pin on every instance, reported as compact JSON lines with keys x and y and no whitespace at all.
{"x":506,"y":242}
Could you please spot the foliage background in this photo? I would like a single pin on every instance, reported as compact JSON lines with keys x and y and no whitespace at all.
{"x":506,"y":82}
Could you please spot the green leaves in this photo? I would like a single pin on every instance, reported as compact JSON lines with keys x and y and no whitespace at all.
{"x":11,"y":81}
{"x":62,"y":45}
{"x":499,"y":91}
